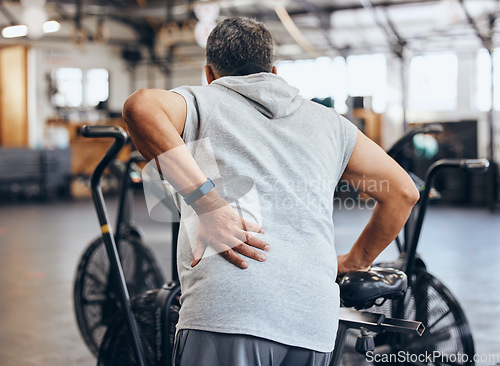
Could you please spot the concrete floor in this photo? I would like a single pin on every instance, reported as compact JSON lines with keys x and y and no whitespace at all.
{"x":40,"y":245}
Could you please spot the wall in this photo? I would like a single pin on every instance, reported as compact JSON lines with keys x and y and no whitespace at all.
{"x":44,"y":57}
{"x":13,"y":97}
{"x":466,"y":109}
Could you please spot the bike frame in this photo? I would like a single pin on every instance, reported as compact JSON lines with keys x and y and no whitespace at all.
{"x":373,"y":322}
{"x":120,"y":138}
{"x":124,"y":210}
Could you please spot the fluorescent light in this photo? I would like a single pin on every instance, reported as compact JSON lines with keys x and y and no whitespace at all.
{"x":51,"y":26}
{"x":22,"y":30}
{"x":15,"y":31}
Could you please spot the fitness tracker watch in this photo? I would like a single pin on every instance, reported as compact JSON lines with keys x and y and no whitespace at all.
{"x":199,"y":192}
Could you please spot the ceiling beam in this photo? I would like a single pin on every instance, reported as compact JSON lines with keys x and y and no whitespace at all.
{"x":8,"y":15}
{"x":485,"y":40}
{"x":381,"y":4}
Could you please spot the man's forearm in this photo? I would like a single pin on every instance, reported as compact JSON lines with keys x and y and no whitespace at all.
{"x":395,"y":192}
{"x":385,"y":224}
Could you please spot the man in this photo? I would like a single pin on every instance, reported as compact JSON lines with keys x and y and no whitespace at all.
{"x":284,"y":156}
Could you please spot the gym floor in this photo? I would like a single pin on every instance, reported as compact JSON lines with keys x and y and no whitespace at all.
{"x":40,"y":245}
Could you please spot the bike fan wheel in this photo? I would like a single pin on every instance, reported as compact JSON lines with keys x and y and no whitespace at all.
{"x":447,"y":339}
{"x":116,"y":348}
{"x":95,"y":300}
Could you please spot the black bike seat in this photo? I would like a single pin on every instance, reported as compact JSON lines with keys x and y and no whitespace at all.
{"x":362,"y":289}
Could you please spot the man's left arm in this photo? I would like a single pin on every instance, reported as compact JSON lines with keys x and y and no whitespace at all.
{"x":379,"y":176}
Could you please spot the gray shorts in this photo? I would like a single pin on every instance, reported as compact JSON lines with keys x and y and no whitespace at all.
{"x":202,"y":348}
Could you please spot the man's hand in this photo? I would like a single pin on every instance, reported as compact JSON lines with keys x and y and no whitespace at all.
{"x":226,"y":232}
{"x":346,"y":264}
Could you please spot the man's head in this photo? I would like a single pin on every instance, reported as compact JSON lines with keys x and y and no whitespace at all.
{"x":239,"y":46}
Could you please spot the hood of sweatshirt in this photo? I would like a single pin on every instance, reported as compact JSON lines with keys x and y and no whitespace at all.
{"x":270,"y":94}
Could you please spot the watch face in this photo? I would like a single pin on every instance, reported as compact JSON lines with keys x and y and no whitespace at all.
{"x":207,"y":186}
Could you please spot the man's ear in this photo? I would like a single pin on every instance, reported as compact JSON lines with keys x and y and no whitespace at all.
{"x":209,"y":73}
{"x":274,"y":70}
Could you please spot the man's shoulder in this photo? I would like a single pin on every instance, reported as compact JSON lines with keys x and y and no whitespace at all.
{"x":194,"y":93}
{"x":196,"y":88}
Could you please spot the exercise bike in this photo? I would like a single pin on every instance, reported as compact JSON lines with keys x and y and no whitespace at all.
{"x":143,"y":328}
{"x":448,"y":338}
{"x":94,"y":293}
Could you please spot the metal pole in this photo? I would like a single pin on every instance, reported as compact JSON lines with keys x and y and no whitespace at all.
{"x":175,"y":235}
{"x":339,"y":345}
{"x":492,"y":182}
{"x":491,"y":116}
{"x":169,"y":57}
{"x":404,"y":90}
{"x":487,"y":42}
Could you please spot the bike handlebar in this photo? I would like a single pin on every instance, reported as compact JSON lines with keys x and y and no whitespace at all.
{"x":398,"y":145}
{"x":472,"y":165}
{"x":477,"y":165}
{"x":431,"y":128}
{"x":120,"y":137}
{"x":103,"y":131}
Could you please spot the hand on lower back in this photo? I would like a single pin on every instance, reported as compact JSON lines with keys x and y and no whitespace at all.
{"x":229,"y":235}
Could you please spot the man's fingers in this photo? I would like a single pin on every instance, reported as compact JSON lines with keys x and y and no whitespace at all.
{"x":199,"y":249}
{"x":256,"y":242}
{"x":228,"y":251}
{"x":231,"y":256}
{"x":250,"y":252}
{"x":250,"y":226}
{"x":224,"y":238}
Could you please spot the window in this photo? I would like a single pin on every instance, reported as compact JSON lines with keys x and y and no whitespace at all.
{"x":68,"y":85}
{"x":96,"y":86}
{"x":314,"y":78}
{"x":367,"y":77}
{"x":319,"y":78}
{"x":433,"y":82}
{"x":325,"y":77}
{"x":483,"y":80}
{"x":74,"y":87}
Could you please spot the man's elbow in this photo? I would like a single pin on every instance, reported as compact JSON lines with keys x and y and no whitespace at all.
{"x":134,"y":107}
{"x":399,"y":193}
{"x":408,"y":194}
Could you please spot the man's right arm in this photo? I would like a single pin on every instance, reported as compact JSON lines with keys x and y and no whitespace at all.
{"x":379,"y":176}
{"x":156,"y":119}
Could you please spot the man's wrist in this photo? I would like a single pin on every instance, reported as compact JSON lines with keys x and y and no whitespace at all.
{"x":199,"y":192}
{"x":358,"y":259}
{"x":209,"y":202}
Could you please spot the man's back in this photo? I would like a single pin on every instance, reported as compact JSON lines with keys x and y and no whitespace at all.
{"x":292,"y":152}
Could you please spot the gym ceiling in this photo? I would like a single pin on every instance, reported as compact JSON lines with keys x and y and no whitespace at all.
{"x":302,"y":28}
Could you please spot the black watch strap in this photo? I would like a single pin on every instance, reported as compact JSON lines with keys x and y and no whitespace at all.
{"x":199,"y":192}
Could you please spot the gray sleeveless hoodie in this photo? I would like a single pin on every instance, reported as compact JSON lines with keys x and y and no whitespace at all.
{"x":277,"y":158}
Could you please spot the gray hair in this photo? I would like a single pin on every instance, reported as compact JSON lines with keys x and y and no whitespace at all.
{"x":240,"y":46}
